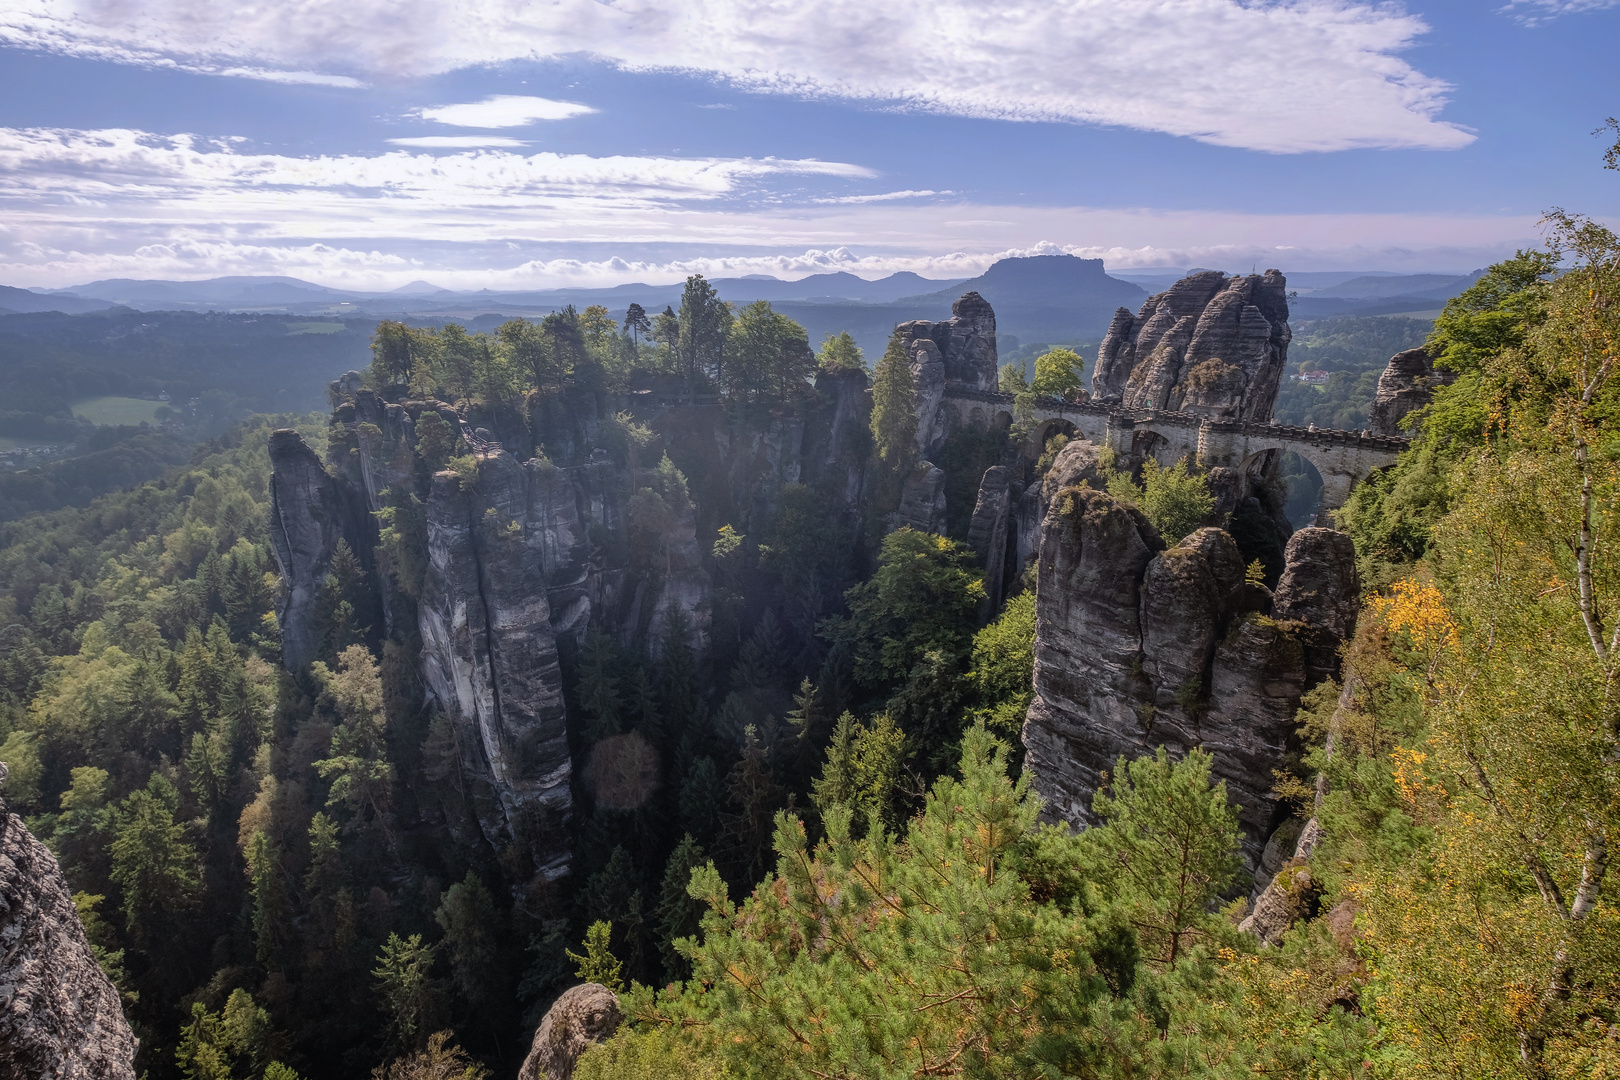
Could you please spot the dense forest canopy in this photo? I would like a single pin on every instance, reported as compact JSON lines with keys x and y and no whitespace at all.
{"x":839,"y":870}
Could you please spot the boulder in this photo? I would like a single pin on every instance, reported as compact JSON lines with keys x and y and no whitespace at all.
{"x":60,"y":1015}
{"x":582,"y":1017}
{"x":1211,"y":345}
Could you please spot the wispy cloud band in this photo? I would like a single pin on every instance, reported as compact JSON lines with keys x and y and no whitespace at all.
{"x":1316,"y":75}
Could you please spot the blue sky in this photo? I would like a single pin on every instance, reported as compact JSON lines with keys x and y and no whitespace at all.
{"x":501,"y":144}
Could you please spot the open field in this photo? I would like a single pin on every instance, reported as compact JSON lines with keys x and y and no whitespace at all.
{"x":103,"y":411}
{"x":314,"y":328}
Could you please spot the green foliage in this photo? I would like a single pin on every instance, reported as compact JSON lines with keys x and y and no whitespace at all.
{"x":154,"y":863}
{"x":767,"y":356}
{"x":647,"y":1054}
{"x":705,"y":322}
{"x":1057,"y":373}
{"x":840,"y":353}
{"x":1002,"y":669}
{"x":1012,"y":380}
{"x":362,"y":775}
{"x":1176,"y":500}
{"x":438,"y":1059}
{"x":894,"y":407}
{"x":923,"y":599}
{"x":1353,"y":350}
{"x":678,"y":915}
{"x":471,"y":925}
{"x":1167,"y":847}
{"x":598,"y":964}
{"x":403,"y":981}
{"x":961,"y":943}
{"x":863,"y":773}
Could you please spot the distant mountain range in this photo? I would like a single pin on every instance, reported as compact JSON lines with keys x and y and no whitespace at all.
{"x":1046,"y":298}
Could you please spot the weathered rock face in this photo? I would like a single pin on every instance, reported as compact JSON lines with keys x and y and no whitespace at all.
{"x":1407,"y":384}
{"x":1211,"y":345}
{"x":59,"y":1014}
{"x":582,"y":1017}
{"x":988,"y":535}
{"x":928,"y":378}
{"x":490,"y":656}
{"x":922,"y":499}
{"x":310,"y":511}
{"x":1137,"y":646}
{"x":966,"y":342}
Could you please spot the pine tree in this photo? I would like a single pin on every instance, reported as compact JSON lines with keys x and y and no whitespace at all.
{"x":598,"y":964}
{"x":644,"y":711}
{"x":403,"y":981}
{"x":472,"y":932}
{"x":702,"y":795}
{"x":269,"y":897}
{"x":760,"y":659}
{"x":613,"y":895}
{"x":894,"y":407}
{"x":153,"y":862}
{"x":677,"y":676}
{"x":597,"y":688}
{"x":754,"y":797}
{"x":362,"y":775}
{"x":679,"y":915}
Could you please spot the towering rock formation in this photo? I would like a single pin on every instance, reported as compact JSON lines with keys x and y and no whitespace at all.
{"x":1407,"y":384}
{"x":959,"y":352}
{"x":59,"y":1015}
{"x":310,"y":512}
{"x":1211,"y":345}
{"x":966,"y":342}
{"x":1138,"y":646}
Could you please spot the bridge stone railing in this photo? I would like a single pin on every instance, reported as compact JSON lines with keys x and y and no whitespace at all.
{"x":1342,"y":458}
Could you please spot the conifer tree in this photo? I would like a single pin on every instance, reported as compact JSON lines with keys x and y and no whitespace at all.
{"x":597,"y":688}
{"x":471,"y":925}
{"x":894,"y":407}
{"x":613,"y":895}
{"x":754,"y":797}
{"x":153,"y":862}
{"x":362,"y":775}
{"x":678,"y":915}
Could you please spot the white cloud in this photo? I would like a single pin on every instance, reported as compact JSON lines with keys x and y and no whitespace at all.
{"x":135,"y":167}
{"x":1271,"y":75}
{"x":887,"y":196}
{"x":503,"y":110}
{"x":457,"y":142}
{"x":1532,"y":12}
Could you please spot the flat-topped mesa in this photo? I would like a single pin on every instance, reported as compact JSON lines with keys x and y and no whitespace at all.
{"x":1211,"y":345}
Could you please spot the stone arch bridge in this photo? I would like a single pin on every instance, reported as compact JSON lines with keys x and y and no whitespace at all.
{"x":1342,"y":458}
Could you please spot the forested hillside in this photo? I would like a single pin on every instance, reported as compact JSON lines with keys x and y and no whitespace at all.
{"x":800,"y":839}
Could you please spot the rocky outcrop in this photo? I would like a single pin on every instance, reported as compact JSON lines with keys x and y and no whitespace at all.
{"x":1319,"y":591}
{"x":59,"y":1014}
{"x":582,"y":1017}
{"x":988,"y":534}
{"x":1138,"y":646}
{"x":1407,"y":384}
{"x":310,"y":511}
{"x":928,"y":381}
{"x":922,"y":499}
{"x":489,"y":654}
{"x":965,"y":343}
{"x":1210,"y":345}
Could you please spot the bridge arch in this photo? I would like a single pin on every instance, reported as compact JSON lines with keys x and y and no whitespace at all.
{"x":1337,"y":480}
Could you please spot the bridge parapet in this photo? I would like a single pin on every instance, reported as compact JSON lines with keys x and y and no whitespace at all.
{"x":1341,"y":458}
